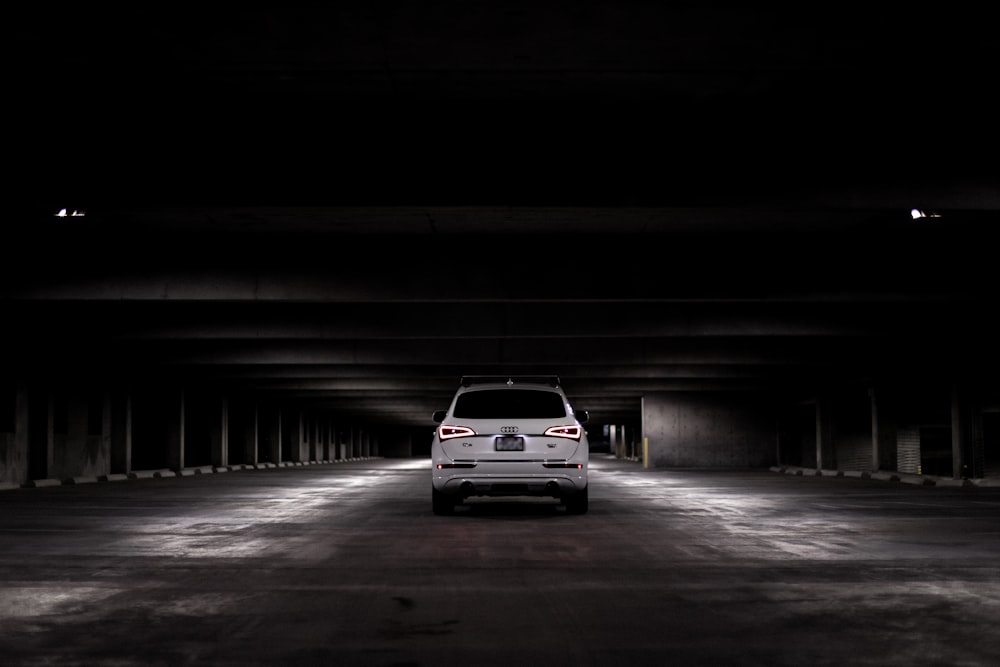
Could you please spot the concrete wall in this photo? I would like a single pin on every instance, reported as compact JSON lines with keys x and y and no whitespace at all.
{"x":14,"y":435}
{"x":84,"y":447}
{"x":701,"y":429}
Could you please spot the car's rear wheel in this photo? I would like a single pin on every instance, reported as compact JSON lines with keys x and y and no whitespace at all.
{"x":577,"y":503}
{"x":442,"y":503}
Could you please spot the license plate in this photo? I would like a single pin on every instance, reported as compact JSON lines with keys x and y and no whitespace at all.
{"x":510,"y":444}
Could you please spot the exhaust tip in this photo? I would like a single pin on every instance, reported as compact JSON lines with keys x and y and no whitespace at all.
{"x":467,"y":489}
{"x":552,"y":488}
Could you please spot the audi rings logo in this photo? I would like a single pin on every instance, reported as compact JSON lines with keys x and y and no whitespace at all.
{"x":508,"y":429}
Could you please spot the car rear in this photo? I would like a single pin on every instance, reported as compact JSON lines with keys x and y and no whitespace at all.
{"x":509,"y":439}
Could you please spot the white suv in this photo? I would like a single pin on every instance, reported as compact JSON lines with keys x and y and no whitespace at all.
{"x":509,"y":436}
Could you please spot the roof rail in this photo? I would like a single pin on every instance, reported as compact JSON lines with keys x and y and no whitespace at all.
{"x":469,"y":380}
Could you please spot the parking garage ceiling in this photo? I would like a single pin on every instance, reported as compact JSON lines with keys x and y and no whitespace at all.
{"x":349,"y":205}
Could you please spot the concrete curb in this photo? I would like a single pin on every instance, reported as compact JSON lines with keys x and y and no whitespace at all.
{"x":163,"y":473}
{"x":887,"y":476}
{"x":81,"y":480}
{"x":38,"y":483}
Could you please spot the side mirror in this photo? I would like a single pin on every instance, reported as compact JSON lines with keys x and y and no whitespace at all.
{"x":582,"y":416}
{"x":439,"y":416}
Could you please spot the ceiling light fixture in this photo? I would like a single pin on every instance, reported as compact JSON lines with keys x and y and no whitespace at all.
{"x":74,"y":214}
{"x":917,"y":214}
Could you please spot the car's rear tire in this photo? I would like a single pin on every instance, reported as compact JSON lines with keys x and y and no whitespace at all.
{"x":442,"y":503}
{"x":578,"y":503}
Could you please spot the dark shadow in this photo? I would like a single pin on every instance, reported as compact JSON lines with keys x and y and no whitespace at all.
{"x":510,"y":509}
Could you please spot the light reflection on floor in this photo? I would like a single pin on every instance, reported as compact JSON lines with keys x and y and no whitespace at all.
{"x":32,"y":601}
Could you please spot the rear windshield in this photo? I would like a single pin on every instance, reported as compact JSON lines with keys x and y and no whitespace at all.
{"x":509,"y":403}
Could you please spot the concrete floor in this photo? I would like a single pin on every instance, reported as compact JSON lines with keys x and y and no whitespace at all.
{"x":344,"y":564}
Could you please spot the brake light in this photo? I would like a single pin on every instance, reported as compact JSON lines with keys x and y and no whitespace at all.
{"x":573,"y":432}
{"x":446,"y":432}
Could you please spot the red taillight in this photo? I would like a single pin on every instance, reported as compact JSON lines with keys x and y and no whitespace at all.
{"x":447,"y":432}
{"x":573,"y":432}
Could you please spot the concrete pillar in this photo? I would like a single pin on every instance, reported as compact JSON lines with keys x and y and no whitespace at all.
{"x":328,"y":440}
{"x":41,"y":433}
{"x":120,"y":416}
{"x":322,"y":433}
{"x":825,"y":458}
{"x":961,"y":434}
{"x":613,"y":440}
{"x":328,"y":437}
{"x":315,"y":438}
{"x":175,"y":430}
{"x":305,"y":437}
{"x":94,"y":442}
{"x":292,"y":436}
{"x":106,"y":431}
{"x":884,"y":400}
{"x":219,"y":435}
{"x":276,"y":449}
{"x":308,"y":437}
{"x":819,"y":435}
{"x":319,"y":431}
{"x":251,"y":437}
{"x":60,"y":414}
{"x":70,"y":452}
{"x":876,"y":445}
{"x":14,"y":436}
{"x":647,"y":423}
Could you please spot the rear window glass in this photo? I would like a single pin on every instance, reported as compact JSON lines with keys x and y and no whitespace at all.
{"x":505,"y":403}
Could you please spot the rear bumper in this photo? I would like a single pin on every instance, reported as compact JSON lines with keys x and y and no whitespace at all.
{"x":551,"y":486}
